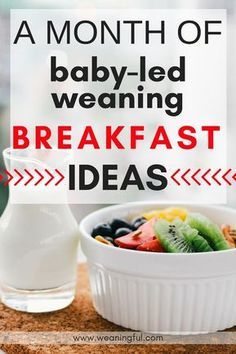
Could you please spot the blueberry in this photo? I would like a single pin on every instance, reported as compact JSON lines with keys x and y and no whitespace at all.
{"x":136,"y":223}
{"x":122,"y":232}
{"x":102,"y":230}
{"x":118,"y":224}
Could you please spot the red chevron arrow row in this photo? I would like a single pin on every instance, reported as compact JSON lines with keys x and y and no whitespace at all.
{"x":30,"y":177}
{"x":10,"y":177}
{"x":20,"y":177}
{"x":234,"y":177}
{"x":224,"y":176}
{"x":50,"y":179}
{"x":173,"y":177}
{"x":184,"y":176}
{"x":61,"y":177}
{"x":40,"y":177}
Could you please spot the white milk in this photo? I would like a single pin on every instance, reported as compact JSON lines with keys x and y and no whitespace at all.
{"x":38,"y":246}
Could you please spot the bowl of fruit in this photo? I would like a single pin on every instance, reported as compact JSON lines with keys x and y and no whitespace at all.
{"x":162,"y":268}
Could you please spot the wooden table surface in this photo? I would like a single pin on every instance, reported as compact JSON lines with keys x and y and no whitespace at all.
{"x":81,"y":316}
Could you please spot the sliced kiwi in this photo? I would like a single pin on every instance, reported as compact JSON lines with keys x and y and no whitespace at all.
{"x":191,"y":235}
{"x":209,"y":230}
{"x":178,"y":237}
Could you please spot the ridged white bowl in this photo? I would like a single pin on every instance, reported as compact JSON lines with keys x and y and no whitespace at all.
{"x":161,"y":292}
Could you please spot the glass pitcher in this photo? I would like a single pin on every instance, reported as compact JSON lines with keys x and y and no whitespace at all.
{"x":38,"y":246}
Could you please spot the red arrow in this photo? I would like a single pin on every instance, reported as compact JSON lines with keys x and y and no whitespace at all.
{"x":9,"y":179}
{"x":214,"y":177}
{"x":20,"y":177}
{"x":224,"y":176}
{"x":51,"y":177}
{"x":194,"y":176}
{"x":61,"y":175}
{"x":234,"y":177}
{"x":1,"y":177}
{"x":30,"y":177}
{"x":184,"y":175}
{"x":173,"y":176}
{"x":40,"y":177}
{"x":204,"y":177}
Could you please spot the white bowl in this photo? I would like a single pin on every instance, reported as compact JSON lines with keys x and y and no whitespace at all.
{"x":161,"y":292}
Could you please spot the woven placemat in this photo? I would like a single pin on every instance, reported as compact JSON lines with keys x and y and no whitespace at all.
{"x":81,"y":316}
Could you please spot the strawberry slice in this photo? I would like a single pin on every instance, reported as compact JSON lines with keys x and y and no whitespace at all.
{"x":151,"y":246}
{"x":145,"y":233}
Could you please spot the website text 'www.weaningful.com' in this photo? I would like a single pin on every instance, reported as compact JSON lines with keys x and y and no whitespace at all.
{"x":126,"y":337}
